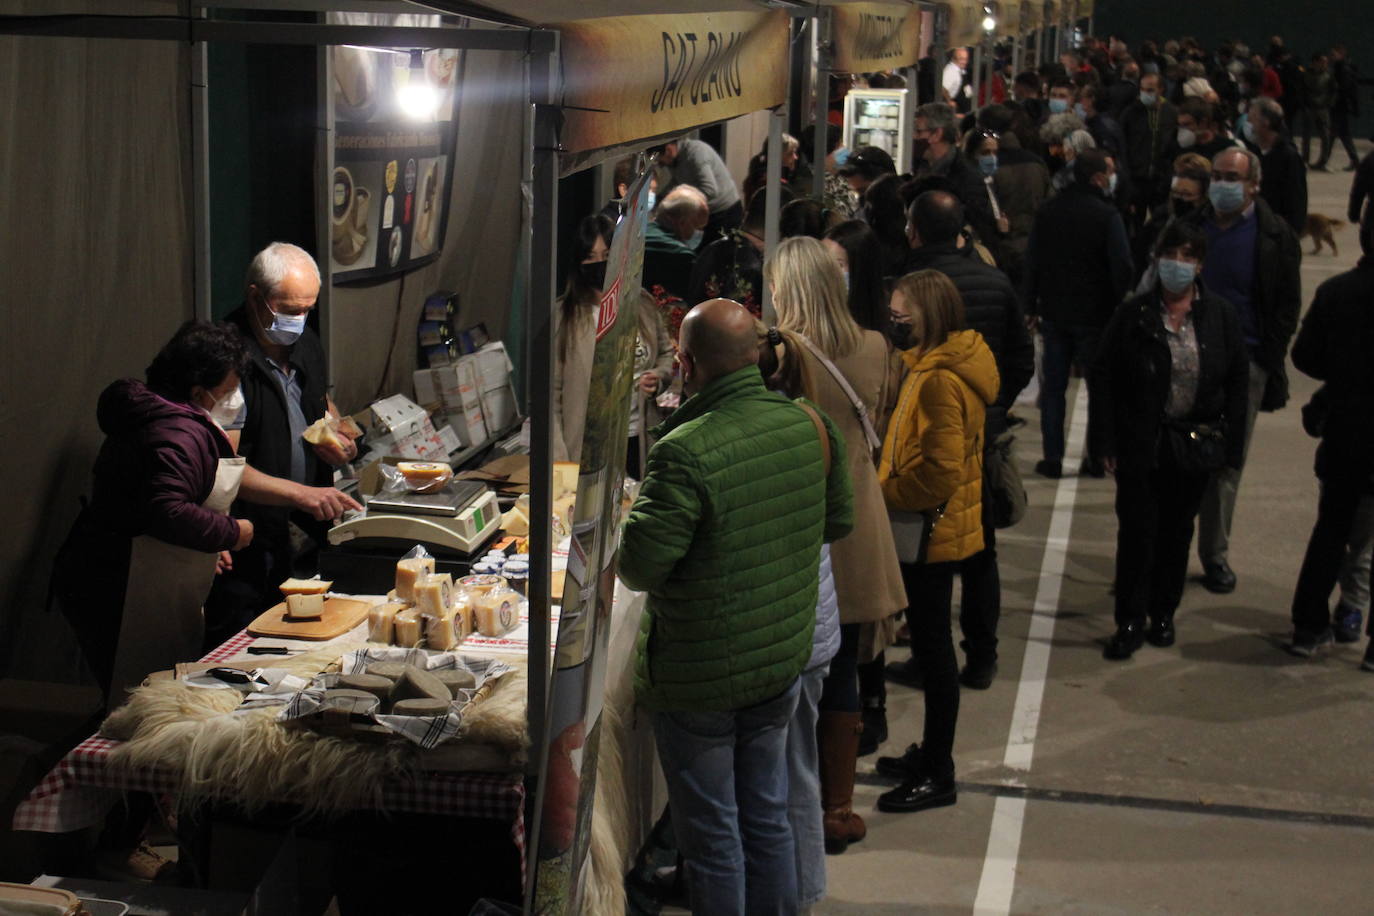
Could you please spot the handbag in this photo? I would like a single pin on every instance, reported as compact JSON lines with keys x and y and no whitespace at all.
{"x":911,"y":530}
{"x":1003,"y":486}
{"x":1194,"y":448}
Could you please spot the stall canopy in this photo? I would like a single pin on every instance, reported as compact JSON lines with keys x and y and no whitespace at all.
{"x":965,"y":22}
{"x":875,"y":36}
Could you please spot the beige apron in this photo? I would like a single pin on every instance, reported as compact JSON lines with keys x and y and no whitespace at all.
{"x":164,"y":621}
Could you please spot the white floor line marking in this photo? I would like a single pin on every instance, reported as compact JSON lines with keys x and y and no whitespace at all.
{"x":1008,"y":816}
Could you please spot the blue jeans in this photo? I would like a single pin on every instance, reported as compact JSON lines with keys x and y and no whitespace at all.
{"x":804,"y":787}
{"x":727,"y":784}
{"x":1065,"y":345}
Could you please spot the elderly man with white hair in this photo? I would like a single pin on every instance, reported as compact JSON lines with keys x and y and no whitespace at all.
{"x":674,"y":239}
{"x":284,"y":391}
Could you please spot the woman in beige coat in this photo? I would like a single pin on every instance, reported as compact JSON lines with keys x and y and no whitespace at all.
{"x":838,"y":363}
{"x":575,"y":347}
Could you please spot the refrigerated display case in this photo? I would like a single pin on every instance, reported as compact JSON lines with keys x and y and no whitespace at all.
{"x":881,"y":118}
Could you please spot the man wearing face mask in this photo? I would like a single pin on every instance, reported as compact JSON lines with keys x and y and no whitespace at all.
{"x":1078,"y":268}
{"x":1150,"y":125}
{"x":1284,"y":186}
{"x":287,"y":480}
{"x":937,"y":149}
{"x":1253,"y":262}
{"x":1199,"y":129}
{"x":674,"y":239}
{"x":1061,"y":96}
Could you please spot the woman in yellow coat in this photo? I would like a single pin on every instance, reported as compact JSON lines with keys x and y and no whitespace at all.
{"x":932,"y":463}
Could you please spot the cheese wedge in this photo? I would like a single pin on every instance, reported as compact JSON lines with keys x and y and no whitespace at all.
{"x":446,"y":630}
{"x":497,"y":612}
{"x":434,"y":593}
{"x":419,"y":684}
{"x":392,"y":671}
{"x":305,"y":586}
{"x":304,"y":607}
{"x":406,"y":628}
{"x":381,"y":621}
{"x":321,"y":432}
{"x":408,"y":572}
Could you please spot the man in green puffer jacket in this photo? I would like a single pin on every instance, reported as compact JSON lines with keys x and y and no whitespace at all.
{"x":725,"y":538}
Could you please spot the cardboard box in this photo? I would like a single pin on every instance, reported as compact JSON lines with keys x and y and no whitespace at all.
{"x":408,"y":427}
{"x":453,"y":387}
{"x":499,"y":408}
{"x":469,"y":424}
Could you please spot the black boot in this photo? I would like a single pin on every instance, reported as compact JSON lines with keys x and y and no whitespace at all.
{"x":1161,"y":632}
{"x":875,"y":727}
{"x":1127,"y":638}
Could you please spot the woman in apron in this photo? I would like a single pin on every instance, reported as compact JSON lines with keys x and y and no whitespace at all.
{"x":144,"y":552}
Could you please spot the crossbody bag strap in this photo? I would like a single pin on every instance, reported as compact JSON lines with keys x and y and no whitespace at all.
{"x":860,"y":411}
{"x":820,"y":431}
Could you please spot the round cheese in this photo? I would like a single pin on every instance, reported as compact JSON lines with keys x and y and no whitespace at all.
{"x":421,"y":708}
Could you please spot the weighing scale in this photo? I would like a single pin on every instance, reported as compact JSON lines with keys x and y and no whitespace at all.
{"x":458,"y":519}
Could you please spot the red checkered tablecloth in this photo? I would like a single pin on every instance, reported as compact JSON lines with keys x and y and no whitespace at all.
{"x":81,"y":789}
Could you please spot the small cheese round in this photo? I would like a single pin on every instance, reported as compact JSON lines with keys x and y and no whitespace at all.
{"x":357,"y":702}
{"x":456,"y":679}
{"x":374,"y":684}
{"x":392,"y":671}
{"x":418,"y":684}
{"x":420,"y":708}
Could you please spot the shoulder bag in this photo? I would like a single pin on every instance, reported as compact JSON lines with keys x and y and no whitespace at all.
{"x":860,"y":411}
{"x":1004,"y":487}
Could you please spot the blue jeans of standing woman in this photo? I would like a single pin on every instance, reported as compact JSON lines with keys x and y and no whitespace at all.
{"x":804,"y":788}
{"x":727,"y":784}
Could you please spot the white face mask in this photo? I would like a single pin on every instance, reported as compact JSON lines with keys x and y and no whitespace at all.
{"x":226,"y":409}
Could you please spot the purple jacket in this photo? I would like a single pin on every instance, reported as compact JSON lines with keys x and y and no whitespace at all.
{"x":157,"y":466}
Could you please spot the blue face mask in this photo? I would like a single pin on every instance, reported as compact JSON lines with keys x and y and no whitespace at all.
{"x":695,"y":241}
{"x":1148,"y":99}
{"x":841,"y":156}
{"x":1079,"y":110}
{"x":1176,"y":276}
{"x":284,"y":329}
{"x":1226,"y":196}
{"x":1246,"y":128}
{"x":652,"y":199}
{"x":1058,"y":106}
{"x":987,"y":165}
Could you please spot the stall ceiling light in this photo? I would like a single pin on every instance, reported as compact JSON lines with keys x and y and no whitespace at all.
{"x":417,"y":98}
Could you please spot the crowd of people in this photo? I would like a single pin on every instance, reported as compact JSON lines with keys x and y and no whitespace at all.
{"x":816,"y":486}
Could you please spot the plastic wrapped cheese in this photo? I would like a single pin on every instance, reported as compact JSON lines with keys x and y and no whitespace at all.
{"x":434,"y":593}
{"x":381,"y":621}
{"x":480,"y":585}
{"x":304,"y":607}
{"x":423,"y":471}
{"x":497,"y":612}
{"x":408,"y":572}
{"x":305,"y":586}
{"x":406,"y":628}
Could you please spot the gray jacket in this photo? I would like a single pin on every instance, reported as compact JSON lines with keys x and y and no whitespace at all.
{"x":699,"y":165}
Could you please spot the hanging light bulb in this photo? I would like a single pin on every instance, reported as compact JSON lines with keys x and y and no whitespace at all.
{"x":416,"y":97}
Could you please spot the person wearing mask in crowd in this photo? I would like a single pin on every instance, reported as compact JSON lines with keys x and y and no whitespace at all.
{"x":1334,"y":347}
{"x":1362,"y":188}
{"x":1061,"y":96}
{"x":1106,"y":132}
{"x":1064,"y":136}
{"x":732,"y":267}
{"x":286,"y":480}
{"x":858,"y":254}
{"x":864,"y":166}
{"x":757,"y":175}
{"x":1195,"y":83}
{"x":1347,"y":103}
{"x":1025,"y":89}
{"x":992,"y":309}
{"x":981,"y":149}
{"x":1078,"y":268}
{"x":838,"y":196}
{"x":1253,"y":262}
{"x":1124,"y":91}
{"x":1284,"y":185}
{"x":722,"y":644}
{"x":696,"y":164}
{"x":1150,"y":126}
{"x":676,"y":234}
{"x":1200,"y":129}
{"x":1187,"y":194}
{"x":1270,"y":85}
{"x":931,"y":465}
{"x":1319,"y":97}
{"x":885,"y":213}
{"x":804,"y":217}
{"x":937,"y":142}
{"x":626,"y":170}
{"x":1021,"y":183}
{"x":956,"y":83}
{"x":844,"y":370}
{"x":575,"y":345}
{"x":1168,"y":391}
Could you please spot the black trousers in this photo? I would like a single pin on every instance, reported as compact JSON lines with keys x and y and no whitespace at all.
{"x":1155,"y":511}
{"x":929,"y":590}
{"x":980,"y":608}
{"x":840,"y":689}
{"x":1321,"y":565}
{"x":1340,"y":129}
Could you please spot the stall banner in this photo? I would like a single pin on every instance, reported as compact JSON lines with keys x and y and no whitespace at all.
{"x":875,"y":36}
{"x":965,"y":23}
{"x":392,"y":168}
{"x":567,"y":773}
{"x":632,"y":77}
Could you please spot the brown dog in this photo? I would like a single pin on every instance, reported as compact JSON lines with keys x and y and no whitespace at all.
{"x":1322,"y":229}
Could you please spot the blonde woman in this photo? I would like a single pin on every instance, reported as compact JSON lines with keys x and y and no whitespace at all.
{"x":839,"y":364}
{"x":932,"y":463}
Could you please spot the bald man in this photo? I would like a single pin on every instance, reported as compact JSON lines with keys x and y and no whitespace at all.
{"x":739,"y":493}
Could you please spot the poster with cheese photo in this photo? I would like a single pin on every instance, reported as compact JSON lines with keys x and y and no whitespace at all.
{"x":430,"y":192}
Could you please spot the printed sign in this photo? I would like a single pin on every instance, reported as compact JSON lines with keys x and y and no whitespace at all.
{"x":875,"y":36}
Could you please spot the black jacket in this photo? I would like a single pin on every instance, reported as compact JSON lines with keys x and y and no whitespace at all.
{"x":1150,"y":153}
{"x":1283,"y":182}
{"x":992,"y":309}
{"x":966,"y":183}
{"x":1078,"y":263}
{"x":1336,"y":346}
{"x":1347,"y":79}
{"x":266,"y":436}
{"x":1129,"y":382}
{"x":1278,"y":297}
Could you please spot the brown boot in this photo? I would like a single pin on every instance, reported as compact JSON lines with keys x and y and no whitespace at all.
{"x":837,"y":735}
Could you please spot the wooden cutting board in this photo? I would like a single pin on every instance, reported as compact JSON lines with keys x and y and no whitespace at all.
{"x":340,"y":615}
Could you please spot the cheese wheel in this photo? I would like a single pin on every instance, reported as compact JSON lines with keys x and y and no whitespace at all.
{"x":422,"y":471}
{"x":381,"y":621}
{"x":305,"y":586}
{"x":419,"y":684}
{"x":408,"y":572}
{"x":374,"y":684}
{"x":392,"y":671}
{"x":304,"y":607}
{"x":421,"y":708}
{"x":456,"y":679}
{"x":497,"y":612}
{"x":356,"y":702}
{"x":434,"y":594}
{"x":406,"y":628}
{"x":480,"y":585}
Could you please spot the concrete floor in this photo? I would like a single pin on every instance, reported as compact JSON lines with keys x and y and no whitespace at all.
{"x":1218,"y":776}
